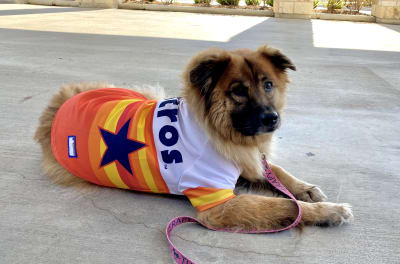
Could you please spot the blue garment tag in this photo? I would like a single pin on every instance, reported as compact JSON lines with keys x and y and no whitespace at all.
{"x":72,"y":147}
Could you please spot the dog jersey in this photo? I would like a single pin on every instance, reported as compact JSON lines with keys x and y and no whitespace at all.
{"x":116,"y":137}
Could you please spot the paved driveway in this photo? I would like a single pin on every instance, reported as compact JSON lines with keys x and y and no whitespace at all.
{"x":341,"y":131}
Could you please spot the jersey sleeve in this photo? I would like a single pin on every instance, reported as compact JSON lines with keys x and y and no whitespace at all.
{"x":203,"y":198}
{"x":210,"y":180}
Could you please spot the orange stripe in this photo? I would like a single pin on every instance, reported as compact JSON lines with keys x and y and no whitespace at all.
{"x":208,"y":206}
{"x":134,"y":157}
{"x":126,"y":115}
{"x":151,"y":153}
{"x":94,"y":142}
{"x":127,"y":178}
{"x":199,"y":191}
{"x":204,"y":198}
{"x":141,"y":133}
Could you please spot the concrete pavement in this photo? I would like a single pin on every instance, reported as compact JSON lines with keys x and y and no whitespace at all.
{"x":341,"y":131}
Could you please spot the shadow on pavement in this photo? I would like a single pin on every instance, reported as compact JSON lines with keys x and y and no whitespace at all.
{"x":392,"y":27}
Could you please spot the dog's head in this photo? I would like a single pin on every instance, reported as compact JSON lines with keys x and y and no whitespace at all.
{"x":239,"y":94}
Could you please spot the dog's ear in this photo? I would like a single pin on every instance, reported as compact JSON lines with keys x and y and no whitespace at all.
{"x":206,"y":69}
{"x":279,"y":60}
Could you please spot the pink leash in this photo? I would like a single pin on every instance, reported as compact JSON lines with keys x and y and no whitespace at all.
{"x":271,"y":178}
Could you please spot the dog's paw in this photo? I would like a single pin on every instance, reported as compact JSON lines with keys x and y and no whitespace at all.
{"x":337,"y":214}
{"x":312,"y":194}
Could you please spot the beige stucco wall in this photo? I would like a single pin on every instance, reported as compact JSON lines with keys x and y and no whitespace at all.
{"x":386,"y":11}
{"x":99,"y":3}
{"x":293,"y":8}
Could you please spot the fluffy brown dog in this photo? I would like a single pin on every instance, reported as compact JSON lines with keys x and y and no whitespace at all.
{"x":236,"y":97}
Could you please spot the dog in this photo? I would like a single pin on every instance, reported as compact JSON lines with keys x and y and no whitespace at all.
{"x":231,"y":104}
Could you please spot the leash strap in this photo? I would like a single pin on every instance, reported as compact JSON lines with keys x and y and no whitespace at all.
{"x":271,"y":178}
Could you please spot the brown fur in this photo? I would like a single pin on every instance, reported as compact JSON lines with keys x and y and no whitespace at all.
{"x":207,"y":83}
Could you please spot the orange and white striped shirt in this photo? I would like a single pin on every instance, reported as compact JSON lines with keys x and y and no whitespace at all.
{"x":116,"y":137}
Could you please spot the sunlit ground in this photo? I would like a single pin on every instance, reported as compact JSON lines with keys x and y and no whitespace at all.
{"x":326,"y":34}
{"x":350,"y":35}
{"x":132,"y":23}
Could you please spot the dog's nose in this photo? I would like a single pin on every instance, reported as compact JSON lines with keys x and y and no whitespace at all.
{"x":269,"y":118}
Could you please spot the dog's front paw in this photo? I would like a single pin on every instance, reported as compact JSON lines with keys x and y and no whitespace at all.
{"x":312,"y":194}
{"x":337,"y":214}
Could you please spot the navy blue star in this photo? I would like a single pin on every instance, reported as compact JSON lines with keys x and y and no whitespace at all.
{"x":119,"y":146}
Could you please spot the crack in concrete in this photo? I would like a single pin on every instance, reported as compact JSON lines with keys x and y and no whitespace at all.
{"x":119,"y":219}
{"x":123,"y":221}
{"x":30,"y":179}
{"x":339,"y":192}
{"x":27,"y":98}
{"x":237,"y":250}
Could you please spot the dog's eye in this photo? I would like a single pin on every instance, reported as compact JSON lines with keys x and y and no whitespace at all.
{"x":240,"y":90}
{"x":268,"y":85}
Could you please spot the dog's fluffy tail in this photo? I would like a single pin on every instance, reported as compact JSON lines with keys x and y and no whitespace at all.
{"x":43,"y":133}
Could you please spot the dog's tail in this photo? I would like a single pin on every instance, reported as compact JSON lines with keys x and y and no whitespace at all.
{"x":43,"y":133}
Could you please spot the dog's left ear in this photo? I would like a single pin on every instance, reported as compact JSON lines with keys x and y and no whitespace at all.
{"x":279,"y":60}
